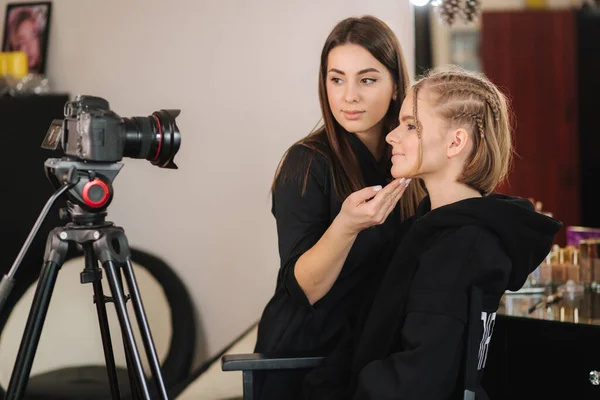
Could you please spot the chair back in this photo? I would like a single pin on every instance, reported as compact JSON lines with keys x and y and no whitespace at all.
{"x":482,"y":318}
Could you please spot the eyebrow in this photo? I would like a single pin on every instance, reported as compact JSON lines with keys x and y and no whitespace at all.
{"x":362,"y":71}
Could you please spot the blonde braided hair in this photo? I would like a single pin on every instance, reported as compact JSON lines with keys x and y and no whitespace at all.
{"x":471,"y":101}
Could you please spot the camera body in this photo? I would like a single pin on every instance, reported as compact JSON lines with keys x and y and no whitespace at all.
{"x":91,"y":131}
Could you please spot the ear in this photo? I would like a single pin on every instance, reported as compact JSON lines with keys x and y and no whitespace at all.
{"x":395,"y":93}
{"x":458,"y":140}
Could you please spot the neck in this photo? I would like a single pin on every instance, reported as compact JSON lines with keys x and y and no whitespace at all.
{"x":443,"y":192}
{"x":373,"y":140}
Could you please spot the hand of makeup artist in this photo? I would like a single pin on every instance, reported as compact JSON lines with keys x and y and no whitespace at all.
{"x":369,"y":206}
{"x":318,"y":268}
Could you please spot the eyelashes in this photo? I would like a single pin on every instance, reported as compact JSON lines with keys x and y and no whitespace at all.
{"x":366,"y":81}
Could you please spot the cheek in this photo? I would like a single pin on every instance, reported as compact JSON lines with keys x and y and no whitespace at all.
{"x":380,"y":102}
{"x":411,"y":144}
{"x":434,"y":155}
{"x":333,"y":101}
{"x":333,"y":97}
{"x":405,"y":166}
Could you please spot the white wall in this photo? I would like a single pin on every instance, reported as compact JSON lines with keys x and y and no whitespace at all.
{"x":244,"y":74}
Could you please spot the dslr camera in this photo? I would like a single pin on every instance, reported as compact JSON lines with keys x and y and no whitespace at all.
{"x":92,"y":132}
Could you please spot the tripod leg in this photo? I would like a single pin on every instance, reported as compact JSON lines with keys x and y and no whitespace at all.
{"x":54,"y":256}
{"x":33,"y":331}
{"x":144,"y":328}
{"x":135,"y":390}
{"x":111,"y":368}
{"x":94,"y":274}
{"x":119,"y":299}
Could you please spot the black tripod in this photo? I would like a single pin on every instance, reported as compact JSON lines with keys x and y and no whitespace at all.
{"x":89,"y":188}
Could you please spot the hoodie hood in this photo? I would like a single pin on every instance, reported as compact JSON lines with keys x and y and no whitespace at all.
{"x":527,"y":235}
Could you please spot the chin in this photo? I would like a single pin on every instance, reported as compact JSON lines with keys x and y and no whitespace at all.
{"x":402,"y":171}
{"x":398,"y":173}
{"x":355,"y":126}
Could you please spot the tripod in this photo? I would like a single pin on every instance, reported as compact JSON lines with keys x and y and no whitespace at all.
{"x":89,"y":189}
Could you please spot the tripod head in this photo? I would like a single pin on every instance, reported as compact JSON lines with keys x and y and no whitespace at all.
{"x":89,"y":190}
{"x":89,"y":187}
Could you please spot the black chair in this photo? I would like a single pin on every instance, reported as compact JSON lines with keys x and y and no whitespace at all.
{"x":90,"y":381}
{"x":477,"y":338}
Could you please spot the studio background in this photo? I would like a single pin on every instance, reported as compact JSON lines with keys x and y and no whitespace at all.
{"x":244,"y":75}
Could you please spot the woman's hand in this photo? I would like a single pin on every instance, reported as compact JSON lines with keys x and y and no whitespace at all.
{"x":370,"y":206}
{"x":318,"y":268}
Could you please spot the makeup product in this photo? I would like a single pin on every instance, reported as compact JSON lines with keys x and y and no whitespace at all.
{"x":548,"y":301}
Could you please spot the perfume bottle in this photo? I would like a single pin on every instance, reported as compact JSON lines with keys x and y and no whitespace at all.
{"x":590,"y":264}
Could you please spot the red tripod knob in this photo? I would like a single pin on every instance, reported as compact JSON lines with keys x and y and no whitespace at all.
{"x":95,"y":193}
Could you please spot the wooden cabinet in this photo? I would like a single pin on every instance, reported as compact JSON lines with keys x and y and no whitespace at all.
{"x":532,"y":56}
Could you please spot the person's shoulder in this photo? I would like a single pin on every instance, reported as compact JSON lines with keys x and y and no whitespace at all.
{"x":453,"y":237}
{"x":313,"y":146}
{"x":466,"y":238}
{"x":461,"y":257}
{"x":304,"y":164}
{"x":482,"y":241}
{"x":482,"y":255}
{"x":453,"y":247}
{"x":311,"y":154}
{"x":304,"y":154}
{"x":489,"y":257}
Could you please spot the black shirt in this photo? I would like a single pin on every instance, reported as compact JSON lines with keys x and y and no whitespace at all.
{"x":289,"y":322}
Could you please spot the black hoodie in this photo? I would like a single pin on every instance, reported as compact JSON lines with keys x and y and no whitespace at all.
{"x":407,"y":343}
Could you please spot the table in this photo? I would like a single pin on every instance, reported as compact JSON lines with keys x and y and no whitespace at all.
{"x":546,"y":354}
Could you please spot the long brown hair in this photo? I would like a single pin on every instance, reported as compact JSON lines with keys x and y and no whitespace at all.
{"x":331,"y":139}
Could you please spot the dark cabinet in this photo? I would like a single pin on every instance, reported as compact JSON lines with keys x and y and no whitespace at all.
{"x":25,"y":188}
{"x":588,"y":85}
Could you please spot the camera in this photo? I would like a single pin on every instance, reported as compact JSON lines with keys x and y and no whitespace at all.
{"x":90,"y":131}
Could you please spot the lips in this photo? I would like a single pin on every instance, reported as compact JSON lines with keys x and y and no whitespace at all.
{"x":396,"y":155}
{"x":352,"y":115}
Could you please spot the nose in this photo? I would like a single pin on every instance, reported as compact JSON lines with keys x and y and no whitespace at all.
{"x":393,"y":136}
{"x":351,"y":94}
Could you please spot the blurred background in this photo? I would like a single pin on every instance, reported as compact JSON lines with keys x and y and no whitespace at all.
{"x":244,"y":75}
{"x":545,"y":57}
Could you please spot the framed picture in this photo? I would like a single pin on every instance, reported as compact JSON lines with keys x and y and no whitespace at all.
{"x":458,"y":44}
{"x":464,"y":49}
{"x":26,"y":29}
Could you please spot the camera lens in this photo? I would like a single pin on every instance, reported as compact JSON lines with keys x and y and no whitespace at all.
{"x":155,"y":138}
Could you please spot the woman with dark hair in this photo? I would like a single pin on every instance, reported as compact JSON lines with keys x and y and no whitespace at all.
{"x":329,"y":188}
